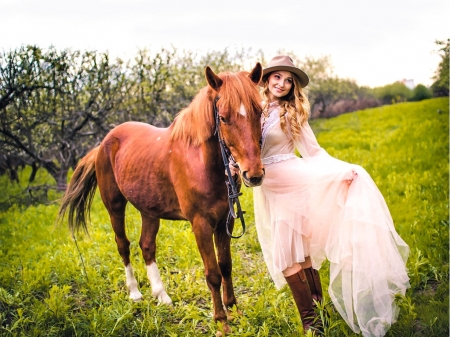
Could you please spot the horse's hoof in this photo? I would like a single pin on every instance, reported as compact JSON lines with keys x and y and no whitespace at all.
{"x":225,"y":328}
{"x":136,"y":296}
{"x":232,"y":315}
{"x":164,"y":299}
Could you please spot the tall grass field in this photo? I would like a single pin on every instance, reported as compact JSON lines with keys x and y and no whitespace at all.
{"x":49,"y":287}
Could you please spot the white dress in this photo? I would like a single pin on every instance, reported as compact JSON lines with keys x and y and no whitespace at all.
{"x":325,"y":208}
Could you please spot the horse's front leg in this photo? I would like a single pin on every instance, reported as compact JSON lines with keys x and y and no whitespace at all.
{"x":204,"y":237}
{"x":223,"y":243}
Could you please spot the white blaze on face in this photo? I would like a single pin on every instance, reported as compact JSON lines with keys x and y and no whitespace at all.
{"x":158,"y":290}
{"x":242,"y":110}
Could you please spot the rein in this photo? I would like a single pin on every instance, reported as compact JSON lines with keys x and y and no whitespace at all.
{"x":233,"y":193}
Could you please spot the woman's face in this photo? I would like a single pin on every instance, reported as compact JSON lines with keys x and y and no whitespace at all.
{"x":280,"y":83}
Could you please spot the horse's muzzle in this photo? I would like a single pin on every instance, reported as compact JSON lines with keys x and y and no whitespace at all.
{"x":252,"y":181}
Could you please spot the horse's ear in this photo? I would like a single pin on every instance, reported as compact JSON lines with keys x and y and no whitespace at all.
{"x":213,"y":80}
{"x":256,"y":73}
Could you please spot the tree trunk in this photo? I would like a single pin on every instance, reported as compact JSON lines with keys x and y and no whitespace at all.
{"x":61,"y":179}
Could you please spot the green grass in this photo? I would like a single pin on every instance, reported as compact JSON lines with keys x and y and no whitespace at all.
{"x":45,"y":290}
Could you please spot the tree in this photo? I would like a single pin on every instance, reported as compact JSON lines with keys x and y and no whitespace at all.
{"x":161,"y":85}
{"x":420,"y":92}
{"x":441,"y":85}
{"x":393,"y":93}
{"x":55,"y":104}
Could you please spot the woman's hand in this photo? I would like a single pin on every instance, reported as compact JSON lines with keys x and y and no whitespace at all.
{"x":234,"y":168}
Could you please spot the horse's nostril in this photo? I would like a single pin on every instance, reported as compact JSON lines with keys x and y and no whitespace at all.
{"x":253,"y":181}
{"x":256,"y":180}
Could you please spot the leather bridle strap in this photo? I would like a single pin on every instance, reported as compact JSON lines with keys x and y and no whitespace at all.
{"x":233,"y":193}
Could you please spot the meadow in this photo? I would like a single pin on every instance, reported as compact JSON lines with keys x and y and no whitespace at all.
{"x":52,"y":284}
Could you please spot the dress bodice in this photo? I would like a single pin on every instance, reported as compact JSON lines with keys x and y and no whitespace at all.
{"x":278,"y":146}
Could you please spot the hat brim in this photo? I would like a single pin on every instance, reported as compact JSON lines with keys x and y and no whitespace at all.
{"x":301,"y":75}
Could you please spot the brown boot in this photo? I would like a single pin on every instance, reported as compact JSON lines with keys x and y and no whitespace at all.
{"x":314,"y":284}
{"x":303,"y":299}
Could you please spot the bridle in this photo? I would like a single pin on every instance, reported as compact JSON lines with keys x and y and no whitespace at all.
{"x":233,"y":193}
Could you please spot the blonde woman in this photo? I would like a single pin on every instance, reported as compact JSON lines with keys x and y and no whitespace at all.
{"x":316,"y":207}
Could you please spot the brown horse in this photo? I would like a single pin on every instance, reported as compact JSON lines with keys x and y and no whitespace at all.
{"x":176,"y":173}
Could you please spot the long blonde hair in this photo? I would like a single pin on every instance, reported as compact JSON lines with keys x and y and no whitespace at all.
{"x":294,"y":107}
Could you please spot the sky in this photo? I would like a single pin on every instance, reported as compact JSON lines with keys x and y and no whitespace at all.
{"x":372,"y":42}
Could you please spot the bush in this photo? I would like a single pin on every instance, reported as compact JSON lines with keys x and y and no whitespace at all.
{"x":421,"y":92}
{"x":393,"y":93}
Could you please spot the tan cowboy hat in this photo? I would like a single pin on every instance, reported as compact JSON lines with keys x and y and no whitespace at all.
{"x":282,"y":62}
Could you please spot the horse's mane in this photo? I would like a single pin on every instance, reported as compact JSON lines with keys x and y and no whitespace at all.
{"x":195,"y":124}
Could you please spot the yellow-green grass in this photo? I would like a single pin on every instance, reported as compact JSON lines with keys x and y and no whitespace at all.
{"x":50,"y":288}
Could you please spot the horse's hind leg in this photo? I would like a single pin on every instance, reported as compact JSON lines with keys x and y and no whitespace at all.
{"x":115,"y":204}
{"x":150,"y":227}
{"x":117,"y":216}
{"x":116,"y":209}
{"x":123,"y":245}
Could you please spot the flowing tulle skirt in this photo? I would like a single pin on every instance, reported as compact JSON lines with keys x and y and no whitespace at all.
{"x":328,"y":209}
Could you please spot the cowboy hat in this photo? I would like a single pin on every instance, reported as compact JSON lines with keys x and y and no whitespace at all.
{"x":282,"y":62}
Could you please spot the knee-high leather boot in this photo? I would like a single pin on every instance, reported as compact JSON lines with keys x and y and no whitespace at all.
{"x":314,"y":284}
{"x":303,"y":299}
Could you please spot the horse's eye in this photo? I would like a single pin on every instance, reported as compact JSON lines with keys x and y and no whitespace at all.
{"x":223,"y":120}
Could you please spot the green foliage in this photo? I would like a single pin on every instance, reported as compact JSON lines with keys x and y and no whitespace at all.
{"x":25,"y":193}
{"x":54,"y":104}
{"x":441,"y":86}
{"x":47,"y":290}
{"x":393,"y":93}
{"x":58,"y":301}
{"x":420,"y":92}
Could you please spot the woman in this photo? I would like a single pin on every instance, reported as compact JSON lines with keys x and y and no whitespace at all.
{"x":317,"y":207}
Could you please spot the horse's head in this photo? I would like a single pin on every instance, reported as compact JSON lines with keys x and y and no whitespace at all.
{"x":239,"y":112}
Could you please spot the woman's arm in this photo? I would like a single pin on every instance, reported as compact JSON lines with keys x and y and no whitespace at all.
{"x":307,"y":143}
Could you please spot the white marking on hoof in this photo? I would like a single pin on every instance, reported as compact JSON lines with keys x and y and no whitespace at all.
{"x":158,"y":290}
{"x":136,"y":296}
{"x":164,"y":298}
{"x":132,"y":285}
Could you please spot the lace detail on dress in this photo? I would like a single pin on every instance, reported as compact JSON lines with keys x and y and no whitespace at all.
{"x":277,"y":158}
{"x":271,"y":106}
{"x":267,"y":122}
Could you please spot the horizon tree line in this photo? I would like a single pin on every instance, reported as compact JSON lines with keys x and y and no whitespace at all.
{"x":55,"y":105}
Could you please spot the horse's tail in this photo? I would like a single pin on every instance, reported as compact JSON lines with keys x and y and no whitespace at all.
{"x":80,"y":192}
